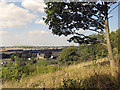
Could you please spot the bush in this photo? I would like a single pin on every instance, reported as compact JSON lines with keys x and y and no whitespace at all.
{"x":92,"y":52}
{"x":68,"y":55}
{"x":45,"y":63}
{"x":96,"y":81}
{"x":46,"y":69}
{"x":69,"y":83}
{"x":15,"y":70}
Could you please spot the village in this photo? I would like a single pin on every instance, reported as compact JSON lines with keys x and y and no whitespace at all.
{"x":30,"y":55}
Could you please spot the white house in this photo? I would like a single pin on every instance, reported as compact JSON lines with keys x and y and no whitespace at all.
{"x":2,"y":63}
{"x":52,"y":57}
{"x":40,"y":55}
{"x":29,"y":59}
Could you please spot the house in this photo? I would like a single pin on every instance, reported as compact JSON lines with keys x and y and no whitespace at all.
{"x":52,"y":57}
{"x":3,"y":63}
{"x":40,"y":55}
{"x":29,"y":59}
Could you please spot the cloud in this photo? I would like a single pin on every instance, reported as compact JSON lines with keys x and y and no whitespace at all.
{"x":34,"y":5}
{"x":4,"y":33}
{"x":37,"y":32}
{"x":8,"y":38}
{"x":45,"y":38}
{"x":40,"y":21}
{"x":33,"y":38}
{"x":80,"y":31}
{"x":13,"y":16}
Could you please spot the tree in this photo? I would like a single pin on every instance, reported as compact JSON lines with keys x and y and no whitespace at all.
{"x":68,"y":55}
{"x":67,"y":18}
{"x":100,"y":50}
{"x":115,"y":38}
{"x":12,"y":58}
{"x":48,"y":54}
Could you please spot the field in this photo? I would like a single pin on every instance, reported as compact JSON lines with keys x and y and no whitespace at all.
{"x":48,"y":62}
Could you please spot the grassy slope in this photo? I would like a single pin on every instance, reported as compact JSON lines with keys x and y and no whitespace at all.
{"x":53,"y":80}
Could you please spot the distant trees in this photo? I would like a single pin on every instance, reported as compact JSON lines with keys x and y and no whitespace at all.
{"x":48,"y":54}
{"x":17,"y":67}
{"x":68,"y":55}
{"x":12,"y":58}
{"x":5,"y":55}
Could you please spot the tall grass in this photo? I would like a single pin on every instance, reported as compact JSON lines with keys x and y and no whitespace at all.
{"x":94,"y":75}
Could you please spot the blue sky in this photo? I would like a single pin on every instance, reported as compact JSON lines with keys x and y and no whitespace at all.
{"x":21,"y":24}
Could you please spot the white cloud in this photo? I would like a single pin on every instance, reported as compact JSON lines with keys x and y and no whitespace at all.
{"x":35,"y":5}
{"x":43,"y":16}
{"x":80,"y":31}
{"x":37,"y":32}
{"x":40,"y":21}
{"x":14,"y":16}
{"x":33,"y":38}
{"x":41,"y":38}
{"x":4,"y":33}
{"x":8,"y":38}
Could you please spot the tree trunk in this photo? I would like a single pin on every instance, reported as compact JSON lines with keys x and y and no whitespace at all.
{"x":110,"y":52}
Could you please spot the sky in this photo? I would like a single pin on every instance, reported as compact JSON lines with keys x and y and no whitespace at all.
{"x":21,"y":24}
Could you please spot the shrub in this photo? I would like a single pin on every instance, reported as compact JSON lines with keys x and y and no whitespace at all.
{"x":96,"y":81}
{"x":47,"y":69}
{"x":68,"y":55}
{"x":46,"y":62}
{"x":69,"y":83}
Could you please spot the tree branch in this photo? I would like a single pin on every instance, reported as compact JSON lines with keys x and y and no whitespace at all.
{"x":99,"y":9}
{"x":79,"y":34}
{"x":114,"y":8}
{"x":98,"y":22}
{"x":94,"y":30}
{"x":99,"y":27}
{"x":103,"y":44}
{"x":110,"y":17}
{"x":112,"y":3}
{"x":96,"y":16}
{"x":102,"y":31}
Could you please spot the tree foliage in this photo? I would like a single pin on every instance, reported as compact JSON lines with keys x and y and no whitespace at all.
{"x":115,"y":38}
{"x":67,"y":18}
{"x":68,"y":55}
{"x":48,"y":54}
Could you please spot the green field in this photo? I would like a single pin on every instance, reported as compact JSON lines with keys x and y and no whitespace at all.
{"x":48,"y":62}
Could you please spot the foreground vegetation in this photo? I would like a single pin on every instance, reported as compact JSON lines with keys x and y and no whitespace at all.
{"x":83,"y":75}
